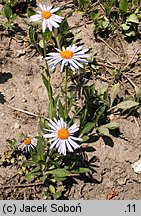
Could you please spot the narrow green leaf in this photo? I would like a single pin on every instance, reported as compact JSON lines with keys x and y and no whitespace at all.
{"x":60,"y":173}
{"x":99,"y":112}
{"x":137,"y":93}
{"x":80,"y":170}
{"x":60,"y":109}
{"x":127,"y":104}
{"x":114,"y":92}
{"x":88,"y":127}
{"x":123,"y":5}
{"x":40,"y":149}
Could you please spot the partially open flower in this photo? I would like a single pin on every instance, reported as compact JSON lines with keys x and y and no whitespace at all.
{"x":49,"y":19}
{"x":62,"y":137}
{"x":27,"y":143}
{"x":71,"y":56}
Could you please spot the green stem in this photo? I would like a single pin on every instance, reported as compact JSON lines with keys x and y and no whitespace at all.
{"x":48,"y":77}
{"x":66,"y":92}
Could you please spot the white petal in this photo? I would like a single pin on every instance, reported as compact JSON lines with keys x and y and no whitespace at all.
{"x":44,"y":7}
{"x":49,"y":25}
{"x":74,"y":144}
{"x":34,"y":141}
{"x":77,"y":49}
{"x":44,"y":25}
{"x":76,"y":62}
{"x":63,"y":147}
{"x":73,"y":64}
{"x":49,"y":135}
{"x":63,"y":64}
{"x":72,"y":68}
{"x":76,"y":138}
{"x":53,"y":139}
{"x":53,"y":54}
{"x":53,"y":23}
{"x":59,"y":143}
{"x":69,"y":146}
{"x":35,"y":18}
{"x":54,"y":10}
{"x":58,"y":50}
{"x":47,"y":130}
{"x":55,"y":125}
{"x":54,"y":143}
{"x":49,"y":8}
{"x":73,"y":128}
{"x":41,"y":7}
{"x":62,"y":122}
{"x":82,"y":52}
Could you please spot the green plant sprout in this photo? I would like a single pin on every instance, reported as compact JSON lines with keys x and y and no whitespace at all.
{"x":8,"y":14}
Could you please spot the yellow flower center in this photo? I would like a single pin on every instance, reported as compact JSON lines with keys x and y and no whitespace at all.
{"x":63,"y":133}
{"x":46,"y":14}
{"x":66,"y":54}
{"x":27,"y":141}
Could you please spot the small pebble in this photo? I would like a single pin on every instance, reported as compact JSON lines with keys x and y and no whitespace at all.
{"x":16,"y":126}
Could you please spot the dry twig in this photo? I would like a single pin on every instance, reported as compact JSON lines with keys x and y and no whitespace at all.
{"x":21,"y":110}
{"x":22,"y":185}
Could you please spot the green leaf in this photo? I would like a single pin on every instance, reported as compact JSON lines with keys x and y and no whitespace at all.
{"x":85,"y":138}
{"x":127,"y":104}
{"x":88,"y":127}
{"x":27,"y":163}
{"x":95,"y":15}
{"x":57,"y":195}
{"x":114,"y":92}
{"x":29,"y":176}
{"x":60,"y":109}
{"x":52,"y":189}
{"x":30,"y":12}
{"x":76,"y":37}
{"x":103,"y":131}
{"x":14,"y":16}
{"x":7,"y":11}
{"x":60,"y":173}
{"x":123,"y":6}
{"x":41,"y":43}
{"x":40,"y":148}
{"x":80,"y":170}
{"x":112,"y":125}
{"x":137,"y":93}
{"x":125,"y":26}
{"x":43,"y":124}
{"x":99,"y":112}
{"x":105,"y":24}
{"x":133,"y":18}
{"x":33,"y":39}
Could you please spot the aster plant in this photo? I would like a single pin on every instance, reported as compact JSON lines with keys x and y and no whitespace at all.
{"x":48,"y":17}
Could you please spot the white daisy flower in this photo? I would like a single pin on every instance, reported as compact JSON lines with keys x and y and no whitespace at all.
{"x":72,"y":55}
{"x":61,"y":136}
{"x":27,"y":143}
{"x":46,"y":14}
